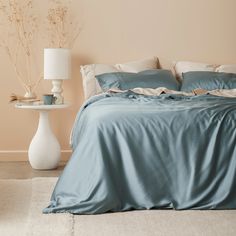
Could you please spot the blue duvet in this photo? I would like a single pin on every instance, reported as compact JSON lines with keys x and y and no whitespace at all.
{"x":136,"y":152}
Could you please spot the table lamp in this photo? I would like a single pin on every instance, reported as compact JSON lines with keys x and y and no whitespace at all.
{"x":57,"y":67}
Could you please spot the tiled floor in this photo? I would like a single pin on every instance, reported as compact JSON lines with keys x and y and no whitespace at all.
{"x":23,"y":170}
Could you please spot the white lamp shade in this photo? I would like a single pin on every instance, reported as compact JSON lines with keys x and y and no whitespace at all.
{"x":57,"y":63}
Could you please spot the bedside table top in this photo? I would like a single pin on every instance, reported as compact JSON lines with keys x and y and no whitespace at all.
{"x":41,"y":106}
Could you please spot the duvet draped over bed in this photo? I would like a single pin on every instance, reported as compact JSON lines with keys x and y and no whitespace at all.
{"x":143,"y":152}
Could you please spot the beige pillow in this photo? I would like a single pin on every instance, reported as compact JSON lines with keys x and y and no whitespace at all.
{"x":137,"y":66}
{"x":181,"y":67}
{"x":90,"y":85}
{"x":226,"y":68}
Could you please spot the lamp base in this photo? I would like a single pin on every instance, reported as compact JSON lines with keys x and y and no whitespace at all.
{"x":59,"y":100}
{"x":57,"y":91}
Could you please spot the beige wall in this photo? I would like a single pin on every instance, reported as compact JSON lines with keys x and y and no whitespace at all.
{"x":118,"y":31}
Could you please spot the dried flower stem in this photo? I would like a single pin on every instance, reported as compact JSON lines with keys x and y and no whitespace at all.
{"x":19,"y":26}
{"x":61,"y":30}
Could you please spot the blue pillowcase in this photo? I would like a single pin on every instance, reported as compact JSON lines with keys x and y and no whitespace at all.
{"x":208,"y":80}
{"x":144,"y":79}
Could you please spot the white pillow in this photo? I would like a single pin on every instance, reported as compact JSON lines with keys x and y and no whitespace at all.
{"x":181,"y":67}
{"x":226,"y":69}
{"x":137,"y":66}
{"x":90,"y":85}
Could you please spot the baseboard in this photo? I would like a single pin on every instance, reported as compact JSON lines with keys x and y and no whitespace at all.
{"x":22,"y":155}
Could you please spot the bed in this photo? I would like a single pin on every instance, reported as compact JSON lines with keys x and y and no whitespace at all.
{"x":134,"y":151}
{"x":152,"y":148}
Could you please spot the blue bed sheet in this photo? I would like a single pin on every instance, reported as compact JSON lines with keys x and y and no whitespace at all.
{"x":141,"y":152}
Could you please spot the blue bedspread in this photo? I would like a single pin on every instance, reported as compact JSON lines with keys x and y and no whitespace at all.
{"x":137,"y":152}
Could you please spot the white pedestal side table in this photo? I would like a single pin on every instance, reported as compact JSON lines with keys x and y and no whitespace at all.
{"x":44,"y":150}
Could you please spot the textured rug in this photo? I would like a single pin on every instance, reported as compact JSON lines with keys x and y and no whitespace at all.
{"x":22,"y":201}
